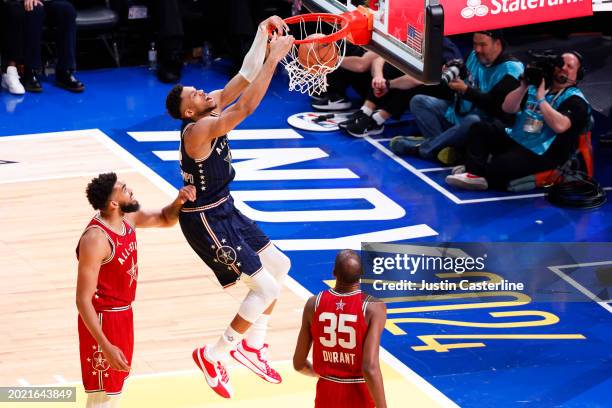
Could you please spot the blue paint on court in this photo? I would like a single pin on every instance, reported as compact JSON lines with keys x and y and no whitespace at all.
{"x":574,"y":373}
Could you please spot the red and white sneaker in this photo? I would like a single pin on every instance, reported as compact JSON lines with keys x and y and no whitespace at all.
{"x":467,"y":181}
{"x":256,"y":361}
{"x":214,"y":371}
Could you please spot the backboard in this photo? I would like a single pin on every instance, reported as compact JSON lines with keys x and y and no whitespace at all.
{"x":407,"y":33}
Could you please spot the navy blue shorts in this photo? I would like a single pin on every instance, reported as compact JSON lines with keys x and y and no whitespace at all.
{"x":225,"y":239}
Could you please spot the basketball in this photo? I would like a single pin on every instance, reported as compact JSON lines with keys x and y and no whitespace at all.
{"x":315,"y":53}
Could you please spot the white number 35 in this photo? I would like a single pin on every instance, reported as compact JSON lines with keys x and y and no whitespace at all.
{"x":337,"y":324}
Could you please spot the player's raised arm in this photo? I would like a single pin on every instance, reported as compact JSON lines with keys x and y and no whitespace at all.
{"x":165,"y":217}
{"x":376,"y":314}
{"x":304,"y":342}
{"x":253,"y":60}
{"x":94,"y":248}
{"x":209,"y":128}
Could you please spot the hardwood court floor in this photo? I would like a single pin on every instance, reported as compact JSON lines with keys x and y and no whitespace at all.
{"x":179,"y":303}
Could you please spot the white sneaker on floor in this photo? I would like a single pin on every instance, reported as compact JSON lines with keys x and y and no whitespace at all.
{"x":10,"y":81}
{"x":467,"y":181}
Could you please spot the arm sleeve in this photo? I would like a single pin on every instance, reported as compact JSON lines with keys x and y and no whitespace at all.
{"x":254,"y":59}
{"x":577,"y":110}
{"x":492,"y":101}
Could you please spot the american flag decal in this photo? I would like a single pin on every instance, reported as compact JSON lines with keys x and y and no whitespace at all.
{"x":414,"y":39}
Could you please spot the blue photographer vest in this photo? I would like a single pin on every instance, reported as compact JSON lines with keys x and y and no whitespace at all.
{"x":483,"y":78}
{"x":539,"y":142}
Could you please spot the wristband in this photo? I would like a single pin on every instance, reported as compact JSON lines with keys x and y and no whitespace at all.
{"x":541,"y":100}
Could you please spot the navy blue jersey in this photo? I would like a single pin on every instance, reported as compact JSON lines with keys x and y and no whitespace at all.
{"x":210,"y":175}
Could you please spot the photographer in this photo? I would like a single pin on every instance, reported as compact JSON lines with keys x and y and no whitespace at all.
{"x":480,"y":87}
{"x":544,"y":134}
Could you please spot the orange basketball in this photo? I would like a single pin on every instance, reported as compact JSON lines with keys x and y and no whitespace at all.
{"x":316,"y":53}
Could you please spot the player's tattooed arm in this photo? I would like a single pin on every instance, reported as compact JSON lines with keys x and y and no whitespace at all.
{"x":94,"y":248}
{"x":167,"y":216}
{"x":376,"y":315}
{"x":304,"y":342}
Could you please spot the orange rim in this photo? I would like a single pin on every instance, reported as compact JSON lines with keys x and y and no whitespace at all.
{"x":326,"y":18}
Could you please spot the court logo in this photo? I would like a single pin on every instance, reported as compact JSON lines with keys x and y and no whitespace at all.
{"x":474,"y":8}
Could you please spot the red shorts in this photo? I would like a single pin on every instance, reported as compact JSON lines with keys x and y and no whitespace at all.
{"x":332,"y":394}
{"x":118,"y":327}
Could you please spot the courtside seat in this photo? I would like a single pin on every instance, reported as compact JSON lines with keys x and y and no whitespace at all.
{"x":100,"y":20}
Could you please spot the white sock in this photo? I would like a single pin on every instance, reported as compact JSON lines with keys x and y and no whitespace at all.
{"x":378,"y":118}
{"x":367,"y":110}
{"x":226,"y":343}
{"x":257,"y":333}
{"x":99,"y":400}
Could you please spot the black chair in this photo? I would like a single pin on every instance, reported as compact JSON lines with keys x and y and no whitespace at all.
{"x":101,"y":21}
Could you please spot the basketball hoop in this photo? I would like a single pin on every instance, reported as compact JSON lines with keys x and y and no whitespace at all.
{"x":319,"y":48}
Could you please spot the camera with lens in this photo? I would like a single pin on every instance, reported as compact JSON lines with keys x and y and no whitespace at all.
{"x":542,"y":66}
{"x":454,"y":69}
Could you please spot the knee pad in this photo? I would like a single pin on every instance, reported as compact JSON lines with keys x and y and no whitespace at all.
{"x":264,"y":290}
{"x":275,"y":262}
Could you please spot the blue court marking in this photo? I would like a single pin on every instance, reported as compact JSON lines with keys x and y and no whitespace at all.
{"x":527,"y":372}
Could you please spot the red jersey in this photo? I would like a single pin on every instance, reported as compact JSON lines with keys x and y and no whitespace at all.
{"x":338,"y":331}
{"x":118,"y":274}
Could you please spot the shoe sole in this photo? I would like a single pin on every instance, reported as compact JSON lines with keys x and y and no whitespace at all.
{"x":244,"y":360}
{"x":198,"y":360}
{"x":368,"y":133}
{"x":465,"y":186}
{"x":75,"y":90}
{"x":12,"y":93}
{"x":330,"y":108}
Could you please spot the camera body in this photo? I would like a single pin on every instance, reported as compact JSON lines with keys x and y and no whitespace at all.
{"x":454,"y":69}
{"x":542,"y":66}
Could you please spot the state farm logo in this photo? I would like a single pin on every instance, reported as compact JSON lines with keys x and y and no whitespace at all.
{"x":476,"y":8}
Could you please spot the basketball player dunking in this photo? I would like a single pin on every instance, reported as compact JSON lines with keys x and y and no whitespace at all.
{"x":345,"y":326}
{"x":106,"y":283}
{"x":232,"y":245}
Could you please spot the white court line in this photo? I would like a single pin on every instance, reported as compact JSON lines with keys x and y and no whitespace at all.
{"x":62,"y":176}
{"x":250,"y":134}
{"x":410,"y":375}
{"x":413,"y":170}
{"x":435,"y":169}
{"x":578,"y":286}
{"x":441,"y":189}
{"x":35,"y":136}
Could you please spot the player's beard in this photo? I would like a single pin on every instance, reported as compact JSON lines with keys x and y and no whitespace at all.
{"x":130,"y":207}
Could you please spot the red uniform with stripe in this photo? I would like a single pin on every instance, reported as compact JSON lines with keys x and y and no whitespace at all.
{"x":338,"y":331}
{"x":112,"y":300}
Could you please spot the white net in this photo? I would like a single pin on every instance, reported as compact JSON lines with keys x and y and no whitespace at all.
{"x":308,"y":64}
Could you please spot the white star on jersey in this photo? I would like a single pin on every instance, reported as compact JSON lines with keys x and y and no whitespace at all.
{"x":340,"y":305}
{"x":133,"y":272}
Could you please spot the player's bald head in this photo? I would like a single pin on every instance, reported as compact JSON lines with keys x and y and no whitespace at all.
{"x":347,"y":268}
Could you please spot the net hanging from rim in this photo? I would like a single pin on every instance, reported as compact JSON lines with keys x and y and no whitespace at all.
{"x":315,"y":30}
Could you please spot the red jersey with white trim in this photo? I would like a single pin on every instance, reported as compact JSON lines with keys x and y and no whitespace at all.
{"x":338,"y":331}
{"x":118,"y":274}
